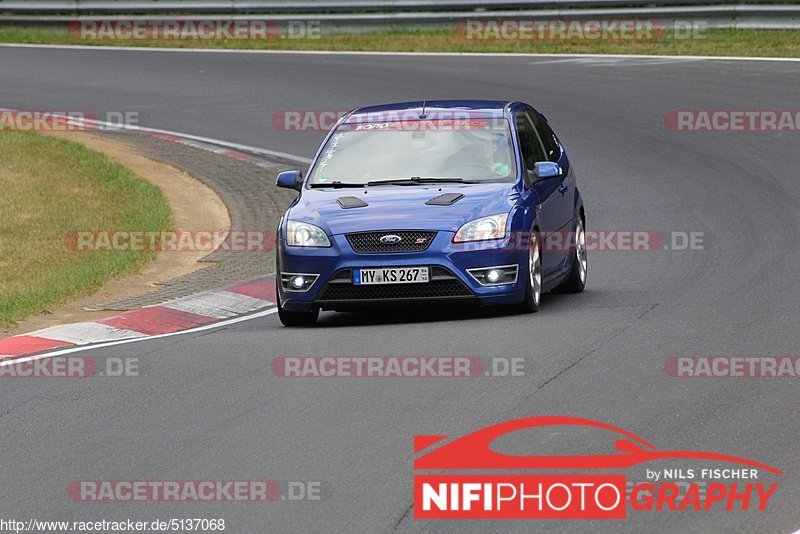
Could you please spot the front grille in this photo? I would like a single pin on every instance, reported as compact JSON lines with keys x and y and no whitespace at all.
{"x":410,"y":241}
{"x":443,"y":284}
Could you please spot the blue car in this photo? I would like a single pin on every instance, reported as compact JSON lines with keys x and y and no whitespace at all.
{"x":465,"y":202}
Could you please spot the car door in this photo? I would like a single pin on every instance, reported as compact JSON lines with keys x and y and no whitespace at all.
{"x":547,"y":191}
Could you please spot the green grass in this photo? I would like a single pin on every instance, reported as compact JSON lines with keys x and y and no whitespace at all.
{"x":776,"y":43}
{"x":51,"y":187}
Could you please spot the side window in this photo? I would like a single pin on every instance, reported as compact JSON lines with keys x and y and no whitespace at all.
{"x":551,"y":145}
{"x":529,"y":142}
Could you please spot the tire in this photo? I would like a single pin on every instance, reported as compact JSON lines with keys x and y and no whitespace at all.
{"x":579,"y":268}
{"x":295,"y":318}
{"x":533,"y":276}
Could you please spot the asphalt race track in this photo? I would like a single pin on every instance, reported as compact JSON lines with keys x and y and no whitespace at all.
{"x":208,"y":405}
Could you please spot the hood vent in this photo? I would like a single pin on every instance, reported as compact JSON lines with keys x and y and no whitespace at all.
{"x":351,"y":202}
{"x":445,"y":200}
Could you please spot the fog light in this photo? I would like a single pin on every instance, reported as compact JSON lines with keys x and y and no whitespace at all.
{"x":497,"y":275}
{"x":298,"y":282}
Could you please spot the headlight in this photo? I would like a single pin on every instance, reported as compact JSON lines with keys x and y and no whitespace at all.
{"x":485,"y":228}
{"x":300,"y":234}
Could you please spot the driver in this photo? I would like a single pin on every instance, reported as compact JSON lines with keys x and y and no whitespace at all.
{"x":492,"y":156}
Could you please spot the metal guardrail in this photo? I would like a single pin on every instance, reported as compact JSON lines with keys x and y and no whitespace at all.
{"x":322,"y":6}
{"x":368,"y":15}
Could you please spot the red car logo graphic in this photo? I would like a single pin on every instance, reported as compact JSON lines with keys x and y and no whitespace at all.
{"x":473,"y":451}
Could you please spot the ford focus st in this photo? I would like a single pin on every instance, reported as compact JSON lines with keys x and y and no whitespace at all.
{"x":470,"y":202}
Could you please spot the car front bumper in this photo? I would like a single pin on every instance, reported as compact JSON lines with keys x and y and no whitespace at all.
{"x":450,"y":280}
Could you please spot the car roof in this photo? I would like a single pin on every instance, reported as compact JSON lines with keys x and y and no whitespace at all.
{"x":433,"y":109}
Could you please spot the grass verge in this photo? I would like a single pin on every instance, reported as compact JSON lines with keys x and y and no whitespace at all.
{"x":712,"y":42}
{"x":52,"y":187}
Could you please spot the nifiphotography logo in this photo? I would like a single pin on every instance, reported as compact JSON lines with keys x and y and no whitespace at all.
{"x":448,"y":483}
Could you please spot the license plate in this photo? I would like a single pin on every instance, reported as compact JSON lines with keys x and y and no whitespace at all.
{"x":390,"y":275}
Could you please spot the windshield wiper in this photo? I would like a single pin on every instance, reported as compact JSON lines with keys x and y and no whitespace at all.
{"x":421,"y":180}
{"x":395,"y":181}
{"x":424,"y":180}
{"x":336,"y":184}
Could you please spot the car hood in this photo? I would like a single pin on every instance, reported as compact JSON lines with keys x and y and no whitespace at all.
{"x":401,"y":207}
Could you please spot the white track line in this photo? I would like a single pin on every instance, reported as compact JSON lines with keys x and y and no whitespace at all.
{"x":209,"y":140}
{"x":381,"y":53}
{"x":84,"y":348}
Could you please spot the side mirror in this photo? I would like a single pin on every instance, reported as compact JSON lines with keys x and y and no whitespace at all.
{"x":290,"y":180}
{"x":546,"y":169}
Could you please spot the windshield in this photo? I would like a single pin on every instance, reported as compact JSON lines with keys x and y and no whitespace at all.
{"x":470,"y":150}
